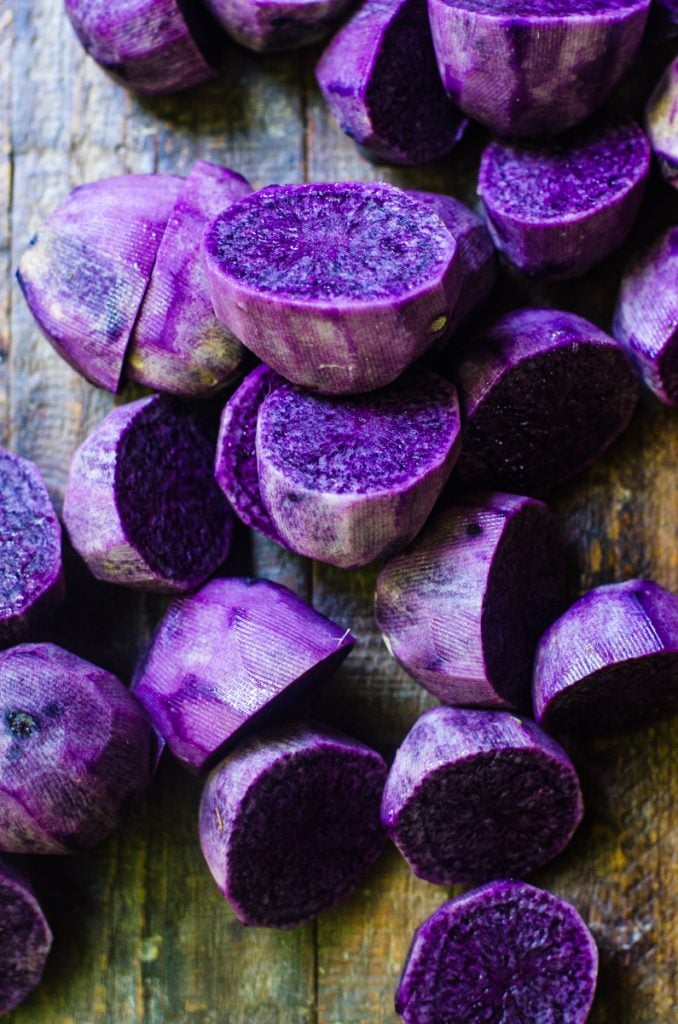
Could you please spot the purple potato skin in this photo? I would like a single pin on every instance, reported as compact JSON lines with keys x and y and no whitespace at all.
{"x":551,"y":66}
{"x":98,"y":505}
{"x":271,"y":25}
{"x":661,"y":119}
{"x":266,"y":255}
{"x":151,"y":46}
{"x":463,"y":607}
{"x":178,"y":345}
{"x":223,"y":658}
{"x":345,"y":493}
{"x":236,"y":463}
{"x":610,"y":662}
{"x":380,"y":79}
{"x":554,"y":387}
{"x":504,"y":951}
{"x":85,"y":273}
{"x":646,"y":317}
{"x":25,"y":938}
{"x":477,"y":795}
{"x":31,"y":571}
{"x":318,"y":792}
{"x":556,"y":209}
{"x":76,"y":751}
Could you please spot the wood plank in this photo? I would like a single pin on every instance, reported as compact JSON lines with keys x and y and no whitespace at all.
{"x":6,"y":183}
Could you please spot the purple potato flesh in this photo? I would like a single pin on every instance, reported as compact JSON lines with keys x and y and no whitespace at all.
{"x":349,"y":480}
{"x":337,"y":287}
{"x":31,"y":573}
{"x":531,"y":67}
{"x":477,"y":795}
{"x":142,"y":507}
{"x":222,"y":659}
{"x":76,"y":751}
{"x":506,"y":952}
{"x":236,"y":466}
{"x":25,"y":938}
{"x":543,"y":394}
{"x":610,"y":662}
{"x":86,"y":271}
{"x":268,"y":25}
{"x":380,"y":80}
{"x":662,"y":123}
{"x":646,"y":317}
{"x":556,"y":209}
{"x":289,"y":823}
{"x":463,"y":607}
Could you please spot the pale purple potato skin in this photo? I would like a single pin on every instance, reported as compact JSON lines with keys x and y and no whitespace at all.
{"x":270,"y":25}
{"x":610,"y":661}
{"x":352,"y":525}
{"x":86,"y":270}
{"x":440,"y":604}
{"x":231,"y":792}
{"x":518,"y":808}
{"x":25,"y":938}
{"x":31,"y":570}
{"x":646,"y":317}
{"x":359,"y":74}
{"x":661,"y":119}
{"x":336,"y":345}
{"x":535,"y":74}
{"x":178,"y":345}
{"x":76,"y":751}
{"x":146,"y":45}
{"x":558,"y":243}
{"x":227,"y":655}
{"x":506,"y":947}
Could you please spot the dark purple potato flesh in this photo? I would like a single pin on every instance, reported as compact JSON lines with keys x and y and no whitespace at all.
{"x":289,"y":823}
{"x":25,"y":938}
{"x":505,"y":952}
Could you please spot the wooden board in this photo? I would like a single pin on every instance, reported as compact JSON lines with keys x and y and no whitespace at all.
{"x":142,"y":935}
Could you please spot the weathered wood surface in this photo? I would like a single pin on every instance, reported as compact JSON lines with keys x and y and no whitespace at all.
{"x":142,"y":935}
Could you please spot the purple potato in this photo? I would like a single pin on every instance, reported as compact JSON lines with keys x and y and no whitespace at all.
{"x":31,"y":573}
{"x":477,"y":795}
{"x":337,"y":287}
{"x":349,"y":480}
{"x":76,"y":751}
{"x":221,"y":660}
{"x":87,"y":269}
{"x":507,"y":951}
{"x":555,"y":209}
{"x":269,"y":25}
{"x":178,"y":345}
{"x":534,"y":67}
{"x":142,"y":507}
{"x":289,"y":823}
{"x":380,"y":80}
{"x":543,"y":394}
{"x":664,"y":19}
{"x":662,"y":123}
{"x":610,"y":662}
{"x":463,"y":607}
{"x":25,"y":938}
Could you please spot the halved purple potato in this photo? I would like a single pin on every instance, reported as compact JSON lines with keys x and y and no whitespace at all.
{"x":662,"y":122}
{"x":150,"y":46}
{"x":222,"y":659}
{"x":142,"y":506}
{"x":236,"y":465}
{"x":25,"y":938}
{"x":610,"y":662}
{"x":269,"y":25}
{"x":543,"y":394}
{"x":349,"y":480}
{"x":646,"y":318}
{"x":530,"y":67}
{"x":507,"y":951}
{"x":178,"y":345}
{"x":31,"y":573}
{"x":556,"y":209}
{"x":86,"y":271}
{"x":289,"y":823}
{"x":338,"y":287}
{"x":76,"y":751}
{"x":380,"y":80}
{"x":463,"y":607}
